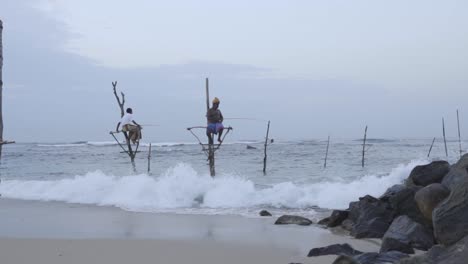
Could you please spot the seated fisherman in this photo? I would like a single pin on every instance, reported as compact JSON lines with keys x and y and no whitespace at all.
{"x":215,"y":122}
{"x":129,"y":125}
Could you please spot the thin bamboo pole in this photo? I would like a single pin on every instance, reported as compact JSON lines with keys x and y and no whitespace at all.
{"x":364,"y":146}
{"x":459,"y":135}
{"x":326,"y":153}
{"x":266,"y":144}
{"x":430,"y":149}
{"x":445,"y":140}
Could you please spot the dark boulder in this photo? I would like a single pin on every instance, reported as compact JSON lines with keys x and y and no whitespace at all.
{"x":370,"y":217}
{"x":401,"y":200}
{"x":433,"y":172}
{"x":264,"y":213}
{"x":336,"y":249}
{"x":439,"y":254}
{"x":335,"y":219}
{"x":293,"y":219}
{"x":458,"y":173}
{"x":450,"y":217}
{"x":372,"y":258}
{"x":404,"y":234}
{"x":250,"y":147}
{"x":429,"y":197}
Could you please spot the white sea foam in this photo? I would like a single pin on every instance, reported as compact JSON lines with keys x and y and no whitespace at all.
{"x":182,"y":188}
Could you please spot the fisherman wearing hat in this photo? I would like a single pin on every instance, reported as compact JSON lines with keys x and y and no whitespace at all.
{"x":215,"y":122}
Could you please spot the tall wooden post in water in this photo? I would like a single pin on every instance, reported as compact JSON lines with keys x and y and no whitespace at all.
{"x":364,"y":147}
{"x":1,"y":87}
{"x":211,"y":148}
{"x":445,"y":140}
{"x":266,"y":144}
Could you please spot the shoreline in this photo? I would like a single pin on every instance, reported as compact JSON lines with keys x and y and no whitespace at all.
{"x":52,"y":224}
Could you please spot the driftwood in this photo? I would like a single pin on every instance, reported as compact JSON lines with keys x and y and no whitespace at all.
{"x":326,"y":153}
{"x":121,"y":102}
{"x":459,"y":135}
{"x":430,"y":149}
{"x":445,"y":140}
{"x":364,"y":146}
{"x":266,"y":144}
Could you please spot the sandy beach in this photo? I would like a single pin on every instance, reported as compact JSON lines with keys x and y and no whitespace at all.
{"x":55,"y":232}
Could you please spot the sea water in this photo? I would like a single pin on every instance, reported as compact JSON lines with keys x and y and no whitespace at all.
{"x":99,"y":173}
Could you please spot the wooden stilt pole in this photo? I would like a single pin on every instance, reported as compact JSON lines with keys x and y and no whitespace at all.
{"x":266,"y":144}
{"x":149,"y":159}
{"x":430,"y":149}
{"x":459,"y":135}
{"x":326,"y":153}
{"x":445,"y":140}
{"x":211,"y":148}
{"x":1,"y":87}
{"x":364,"y":146}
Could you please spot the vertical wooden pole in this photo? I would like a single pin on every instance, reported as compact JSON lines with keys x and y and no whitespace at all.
{"x":364,"y":146}
{"x":432,"y":144}
{"x":1,"y":87}
{"x":445,"y":140}
{"x":459,"y":135}
{"x":149,"y":159}
{"x":266,"y":144}
{"x":211,"y":149}
{"x":326,"y":153}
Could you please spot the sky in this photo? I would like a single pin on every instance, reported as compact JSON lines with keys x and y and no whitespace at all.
{"x":314,"y":68}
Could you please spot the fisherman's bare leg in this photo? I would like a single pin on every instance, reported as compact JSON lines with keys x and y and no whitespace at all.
{"x":220,"y":133}
{"x":210,"y":138}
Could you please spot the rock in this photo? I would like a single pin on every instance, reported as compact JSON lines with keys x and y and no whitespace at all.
{"x":380,"y":258}
{"x":370,"y":217}
{"x":293,"y":219}
{"x":450,"y":217}
{"x":345,"y":260}
{"x":454,"y":177}
{"x":433,"y":172}
{"x":429,"y":197}
{"x":347,"y":224}
{"x":372,"y":258}
{"x":401,"y":200}
{"x":264,"y":213}
{"x":458,"y":173}
{"x":335,"y":219}
{"x":250,"y":147}
{"x":455,"y":254}
{"x":404,"y":234}
{"x":336,"y":249}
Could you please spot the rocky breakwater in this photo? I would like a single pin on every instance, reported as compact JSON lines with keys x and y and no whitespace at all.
{"x":428,"y":212}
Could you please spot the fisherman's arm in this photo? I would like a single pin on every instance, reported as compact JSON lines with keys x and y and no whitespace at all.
{"x":221,"y":119}
{"x":136,"y":123}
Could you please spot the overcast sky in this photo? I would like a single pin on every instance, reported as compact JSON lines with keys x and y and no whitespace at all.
{"x":312,"y":67}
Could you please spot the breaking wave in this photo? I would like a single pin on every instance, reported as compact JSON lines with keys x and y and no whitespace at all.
{"x":182,"y":188}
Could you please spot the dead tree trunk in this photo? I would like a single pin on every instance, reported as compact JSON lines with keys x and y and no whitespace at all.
{"x":266,"y":144}
{"x":445,"y":140}
{"x":326,"y":153}
{"x":121,"y":103}
{"x":364,"y":146}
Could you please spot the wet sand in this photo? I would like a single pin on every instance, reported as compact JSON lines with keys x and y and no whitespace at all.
{"x":55,"y":232}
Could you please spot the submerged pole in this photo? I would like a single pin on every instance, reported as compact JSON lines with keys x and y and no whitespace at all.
{"x":459,"y":136}
{"x":326,"y":153}
{"x":432,"y":144}
{"x":445,"y":140}
{"x":266,"y":144}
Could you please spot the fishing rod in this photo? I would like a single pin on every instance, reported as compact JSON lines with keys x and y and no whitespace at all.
{"x":245,"y":118}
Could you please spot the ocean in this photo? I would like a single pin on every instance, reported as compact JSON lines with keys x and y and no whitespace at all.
{"x":98,"y":173}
